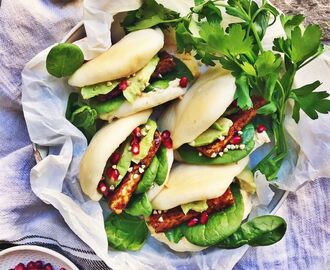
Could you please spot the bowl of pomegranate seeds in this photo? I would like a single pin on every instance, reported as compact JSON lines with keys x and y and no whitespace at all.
{"x":31,"y":257}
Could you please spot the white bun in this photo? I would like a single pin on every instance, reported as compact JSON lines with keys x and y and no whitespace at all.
{"x":124,"y":58}
{"x":203,"y":104}
{"x":145,"y":101}
{"x":188,"y":183}
{"x":184,"y":245}
{"x":103,"y":144}
{"x":153,"y":191}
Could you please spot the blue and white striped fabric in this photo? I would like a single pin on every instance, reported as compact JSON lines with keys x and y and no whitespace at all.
{"x":26,"y":28}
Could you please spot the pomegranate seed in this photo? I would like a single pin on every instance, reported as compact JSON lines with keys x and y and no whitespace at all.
{"x":183,"y":82}
{"x":103,"y":188}
{"x":62,"y":268}
{"x":135,"y":148}
{"x":113,"y":174}
{"x":39,"y":264}
{"x":31,"y":265}
{"x":204,"y":217}
{"x":168,"y":143}
{"x":261,"y":128}
{"x":115,"y":157}
{"x":20,"y":266}
{"x":48,"y":266}
{"x":135,"y":140}
{"x":236,"y":140}
{"x":137,"y":132}
{"x":123,"y":85}
{"x":166,"y":134}
{"x":192,"y":222}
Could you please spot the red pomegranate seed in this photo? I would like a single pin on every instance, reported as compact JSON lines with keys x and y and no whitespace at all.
{"x":261,"y":128}
{"x":20,"y":266}
{"x":204,"y":217}
{"x":183,"y":82}
{"x":48,"y":266}
{"x":39,"y":264}
{"x":166,"y":134}
{"x":135,"y":140}
{"x":123,"y":85}
{"x":192,"y":222}
{"x":137,"y":132}
{"x":235,"y":140}
{"x":113,"y":174}
{"x":115,"y":157}
{"x":135,"y":148}
{"x":168,"y":143}
{"x":62,"y":268}
{"x":103,"y":188}
{"x":31,"y":265}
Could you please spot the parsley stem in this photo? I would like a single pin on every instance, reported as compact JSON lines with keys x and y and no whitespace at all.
{"x":255,"y":33}
{"x":310,"y":60}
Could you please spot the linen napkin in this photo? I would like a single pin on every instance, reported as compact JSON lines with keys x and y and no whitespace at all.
{"x":27,"y":27}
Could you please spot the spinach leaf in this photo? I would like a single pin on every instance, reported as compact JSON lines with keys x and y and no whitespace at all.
{"x":174,"y":235}
{"x":190,"y":154}
{"x":126,"y":232}
{"x":81,"y":115}
{"x":64,"y":59}
{"x":220,"y":225}
{"x":260,"y":231}
{"x":163,"y":166}
{"x":109,"y":106}
{"x":139,"y":206}
{"x":148,"y":177}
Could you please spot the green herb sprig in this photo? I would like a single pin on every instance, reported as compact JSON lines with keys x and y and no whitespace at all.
{"x":239,"y":49}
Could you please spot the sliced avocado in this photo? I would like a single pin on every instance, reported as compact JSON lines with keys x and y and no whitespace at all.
{"x":145,"y":144}
{"x":160,"y":84}
{"x":246,"y":181}
{"x":163,"y":166}
{"x":90,"y":91}
{"x":198,"y":206}
{"x":223,"y":124}
{"x":139,"y":82}
{"x":148,"y":176}
{"x":218,"y":129}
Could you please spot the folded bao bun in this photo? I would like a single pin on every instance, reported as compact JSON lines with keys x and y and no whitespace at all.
{"x":122,"y":59}
{"x":184,"y":245}
{"x":103,"y":144}
{"x":189,"y":183}
{"x":203,"y":104}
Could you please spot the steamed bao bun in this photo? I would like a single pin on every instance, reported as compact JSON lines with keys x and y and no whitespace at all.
{"x":188,"y":183}
{"x":203,"y":104}
{"x":129,"y":55}
{"x":101,"y":147}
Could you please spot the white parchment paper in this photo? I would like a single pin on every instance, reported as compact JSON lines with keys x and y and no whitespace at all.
{"x":55,"y":178}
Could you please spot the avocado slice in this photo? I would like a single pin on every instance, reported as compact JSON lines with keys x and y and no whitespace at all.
{"x":104,"y":88}
{"x":246,"y":181}
{"x":198,"y":206}
{"x":137,"y":83}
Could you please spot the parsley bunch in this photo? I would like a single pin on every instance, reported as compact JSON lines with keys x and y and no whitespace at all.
{"x":239,"y":48}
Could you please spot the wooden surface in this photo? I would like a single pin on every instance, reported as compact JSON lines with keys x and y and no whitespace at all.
{"x":315,"y":11}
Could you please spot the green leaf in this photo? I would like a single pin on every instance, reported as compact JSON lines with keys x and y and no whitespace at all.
{"x":174,"y":235}
{"x":90,"y":91}
{"x":126,"y":232}
{"x":309,"y":101}
{"x":108,"y":106}
{"x":184,"y":38}
{"x":148,"y":177}
{"x":248,"y":69}
{"x":64,"y":59}
{"x":242,"y":93}
{"x":163,"y":166}
{"x":260,"y":231}
{"x":181,"y":70}
{"x":269,"y":108}
{"x":148,"y":15}
{"x":267,"y":63}
{"x":289,"y":22}
{"x":220,"y":225}
{"x":209,"y":11}
{"x":306,"y":44}
{"x":139,"y":205}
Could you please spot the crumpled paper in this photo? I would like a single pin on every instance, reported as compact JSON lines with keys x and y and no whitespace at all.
{"x":55,"y":178}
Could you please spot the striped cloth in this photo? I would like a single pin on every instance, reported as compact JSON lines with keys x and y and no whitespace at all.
{"x":26,"y":28}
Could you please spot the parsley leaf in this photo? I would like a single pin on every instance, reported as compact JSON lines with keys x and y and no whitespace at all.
{"x":243,"y":93}
{"x":309,"y":101}
{"x":149,"y":15}
{"x":267,"y":63}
